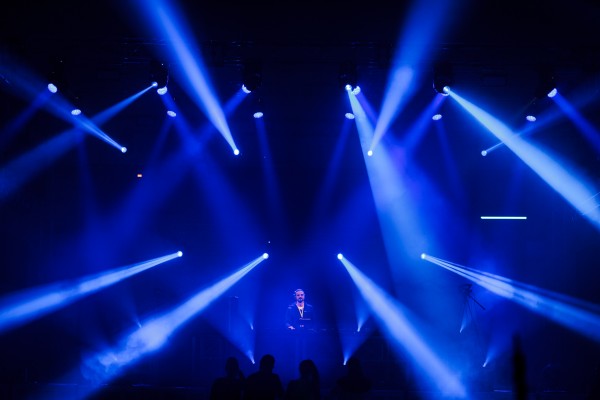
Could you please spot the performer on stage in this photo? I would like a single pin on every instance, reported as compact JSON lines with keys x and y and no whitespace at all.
{"x":300,"y":323}
{"x":299,"y":315}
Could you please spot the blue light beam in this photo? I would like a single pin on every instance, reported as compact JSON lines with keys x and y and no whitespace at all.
{"x":20,"y":120}
{"x":578,"y":315}
{"x":270,"y":178}
{"x":27,"y":305}
{"x":416,"y":132}
{"x":392,"y":317}
{"x":89,"y":126}
{"x":106,"y":365}
{"x":572,"y":186}
{"x":423,"y":23}
{"x":173,"y":26}
{"x":395,"y":204}
{"x":28,"y":82}
{"x":14,"y":174}
{"x":591,"y":134}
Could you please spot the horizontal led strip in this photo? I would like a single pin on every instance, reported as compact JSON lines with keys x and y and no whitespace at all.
{"x":501,"y":217}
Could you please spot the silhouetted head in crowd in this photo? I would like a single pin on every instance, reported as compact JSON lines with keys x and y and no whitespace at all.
{"x":308,"y":369}
{"x":354,"y":367}
{"x":232,"y":366}
{"x":267,"y":363}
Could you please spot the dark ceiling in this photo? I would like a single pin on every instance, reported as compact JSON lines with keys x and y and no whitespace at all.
{"x":301,"y":192}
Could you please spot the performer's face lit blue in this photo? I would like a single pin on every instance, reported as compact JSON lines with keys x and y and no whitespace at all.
{"x":300,"y":296}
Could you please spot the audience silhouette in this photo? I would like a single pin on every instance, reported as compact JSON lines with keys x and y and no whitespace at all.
{"x":594,"y":391}
{"x":308,"y":386}
{"x":264,"y":384}
{"x":230,"y":386}
{"x":354,"y":385}
{"x":519,"y":369}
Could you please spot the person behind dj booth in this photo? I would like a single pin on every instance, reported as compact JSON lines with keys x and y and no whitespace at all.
{"x":299,"y":315}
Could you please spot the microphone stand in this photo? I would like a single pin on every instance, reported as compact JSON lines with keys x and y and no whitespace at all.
{"x":469,"y":293}
{"x":475,"y":348}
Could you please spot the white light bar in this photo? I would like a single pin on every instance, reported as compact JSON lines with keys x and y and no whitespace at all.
{"x":501,"y":217}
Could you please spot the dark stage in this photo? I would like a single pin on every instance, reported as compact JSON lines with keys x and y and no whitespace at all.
{"x":437,"y":300}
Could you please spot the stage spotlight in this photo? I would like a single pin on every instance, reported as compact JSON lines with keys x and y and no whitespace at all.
{"x":443,"y":78}
{"x":423,"y":255}
{"x":265,"y":256}
{"x":484,"y":153}
{"x":56,"y":76}
{"x":340,"y":256}
{"x":236,"y":152}
{"x":437,"y":117}
{"x":546,"y":85}
{"x":170,"y":106}
{"x":258,"y":115}
{"x":532,"y":110}
{"x":370,"y":153}
{"x":348,"y":76}
{"x":159,"y":76}
{"x":123,"y":149}
{"x":251,"y":76}
{"x":179,"y":253}
{"x":356,"y":90}
{"x":74,"y":101}
{"x":349,"y":115}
